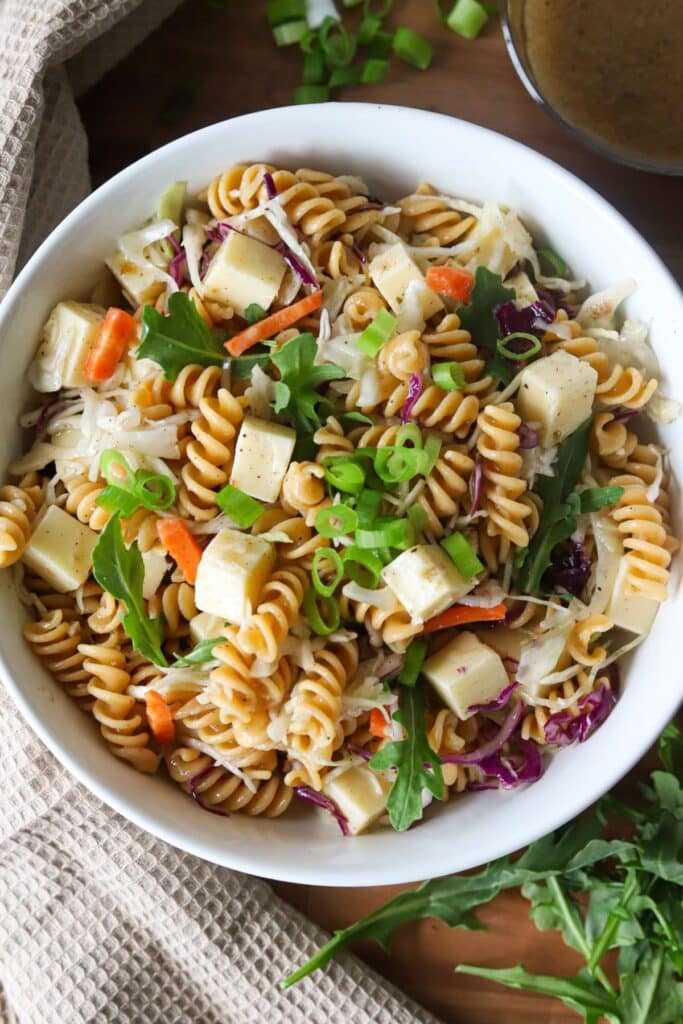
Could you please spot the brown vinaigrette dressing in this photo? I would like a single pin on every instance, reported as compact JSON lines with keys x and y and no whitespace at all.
{"x":613,"y":68}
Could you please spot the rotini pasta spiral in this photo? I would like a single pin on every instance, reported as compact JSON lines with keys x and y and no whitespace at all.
{"x":581,"y":639}
{"x":361,"y":308}
{"x":392,"y":626}
{"x":199,"y":726}
{"x":19,"y":505}
{"x":445,"y":487}
{"x":449,"y":341}
{"x":176,"y":603}
{"x":424,"y":213}
{"x":208,"y":455}
{"x":403,"y":355}
{"x":220,"y":790}
{"x":303,"y":490}
{"x":263,"y":633}
{"x":331,"y":439}
{"x":502,"y":486}
{"x":56,"y":642}
{"x":644,"y":537}
{"x":82,"y":501}
{"x":303,"y":541}
{"x":337,"y":258}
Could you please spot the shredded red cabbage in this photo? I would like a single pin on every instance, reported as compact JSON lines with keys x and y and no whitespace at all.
{"x":512,"y":319}
{"x":270,"y":185}
{"x":392,"y":666}
{"x":47,"y":414}
{"x":500,"y":701}
{"x":512,"y":770}
{"x":563,"y":728}
{"x":569,"y":568}
{"x":295,"y":263}
{"x":353,"y":748}
{"x":414,"y":392}
{"x":358,"y":253}
{"x":311,"y":796}
{"x":493,"y":745}
{"x":476,"y":482}
{"x":177,"y":268}
{"x":528,"y":438}
{"x":621,"y":413}
{"x":192,"y":786}
{"x":555,"y":299}
{"x":204,"y":261}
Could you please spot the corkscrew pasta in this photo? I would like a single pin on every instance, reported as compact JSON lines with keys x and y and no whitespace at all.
{"x":344,"y":499}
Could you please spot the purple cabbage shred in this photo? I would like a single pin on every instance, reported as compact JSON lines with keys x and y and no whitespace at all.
{"x":295,"y":263}
{"x":528,"y":438}
{"x":564,"y":728}
{"x":270,"y":185}
{"x":192,"y":786}
{"x":569,"y":568}
{"x":353,"y":748}
{"x":311,"y":796}
{"x":512,"y":319}
{"x":500,"y":701}
{"x":476,"y":482}
{"x":414,"y":392}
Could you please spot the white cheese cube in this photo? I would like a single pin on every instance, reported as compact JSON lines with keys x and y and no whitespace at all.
{"x":60,"y":550}
{"x":392,"y":271}
{"x":262,"y":454}
{"x":231,"y":574}
{"x":425,"y":581}
{"x":243,"y":271}
{"x":206,"y":627}
{"x":138,"y":283}
{"x":466,"y":672}
{"x":68,"y":336}
{"x":556,"y":393}
{"x":360,"y":794}
{"x":155,"y":566}
{"x":630,"y":611}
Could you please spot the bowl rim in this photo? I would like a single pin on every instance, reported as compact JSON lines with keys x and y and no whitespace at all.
{"x":181,"y":835}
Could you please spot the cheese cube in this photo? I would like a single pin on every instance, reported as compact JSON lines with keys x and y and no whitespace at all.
{"x":138,"y":283}
{"x":425,"y":581}
{"x":231,"y":574}
{"x":466,"y":672}
{"x":556,"y":392}
{"x":633,"y":612}
{"x":206,"y":627}
{"x":60,"y":550}
{"x":262,"y":454}
{"x":155,"y":565}
{"x":392,"y":271}
{"x":243,"y":271}
{"x":68,"y":335}
{"x":360,"y":794}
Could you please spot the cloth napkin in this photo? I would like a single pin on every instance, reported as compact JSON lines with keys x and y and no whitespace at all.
{"x":99,"y":921}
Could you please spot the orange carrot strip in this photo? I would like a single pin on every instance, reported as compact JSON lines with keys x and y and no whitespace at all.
{"x":378,"y":723}
{"x":159,"y":717}
{"x":113,"y":338}
{"x":273,"y":324}
{"x":181,"y":546}
{"x":453,"y":282}
{"x":461,"y":614}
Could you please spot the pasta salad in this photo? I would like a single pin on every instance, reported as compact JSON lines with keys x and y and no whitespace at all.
{"x":335,"y":499}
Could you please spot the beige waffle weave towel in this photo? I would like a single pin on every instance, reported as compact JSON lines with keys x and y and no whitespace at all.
{"x":98,"y":920}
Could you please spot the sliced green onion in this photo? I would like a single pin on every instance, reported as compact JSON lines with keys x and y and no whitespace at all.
{"x":462,"y":555}
{"x":412,"y":665}
{"x":335,"y":560}
{"x":448,"y":376}
{"x":467,"y":18}
{"x":310,"y":43}
{"x":155,"y":491}
{"x":362,"y":566}
{"x":338,"y":45}
{"x":430,"y":454}
{"x":289,"y":33}
{"x":314,"y":69}
{"x":367,"y":507}
{"x":170,"y":207}
{"x":278,"y":11}
{"x":368,"y":29}
{"x":418,"y":517}
{"x":400,"y":533}
{"x":377,"y":333}
{"x":311,"y":94}
{"x":342,"y":77}
{"x":381,"y":46}
{"x":322,"y":613}
{"x":241,"y":366}
{"x":115,"y":469}
{"x":335,"y":521}
{"x":518,"y":357}
{"x":253,"y":313}
{"x":374,"y":71}
{"x":344,"y":474}
{"x":412,"y":48}
{"x":409,"y":434}
{"x":240,"y":507}
{"x":555,"y":261}
{"x":394,"y":465}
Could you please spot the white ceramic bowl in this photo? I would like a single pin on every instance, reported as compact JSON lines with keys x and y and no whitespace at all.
{"x":393,"y":149}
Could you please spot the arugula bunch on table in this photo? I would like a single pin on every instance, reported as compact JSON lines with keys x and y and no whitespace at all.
{"x":631,"y":893}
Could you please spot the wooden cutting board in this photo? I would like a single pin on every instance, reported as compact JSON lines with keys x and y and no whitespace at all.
{"x":211,"y":61}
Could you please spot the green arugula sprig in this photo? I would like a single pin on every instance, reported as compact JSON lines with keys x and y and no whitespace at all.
{"x":181,"y":338}
{"x":561,"y":505}
{"x":120,"y":571}
{"x":295,"y":395}
{"x":200,"y":654}
{"x":633,"y":904}
{"x":418,"y":767}
{"x":477,"y":317}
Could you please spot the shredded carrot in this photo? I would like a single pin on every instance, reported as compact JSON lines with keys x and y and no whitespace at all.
{"x":461,"y":614}
{"x":181,"y":546}
{"x":378,"y":723}
{"x":116,"y":332}
{"x":273,"y":324}
{"x":159,"y":717}
{"x":453,"y":282}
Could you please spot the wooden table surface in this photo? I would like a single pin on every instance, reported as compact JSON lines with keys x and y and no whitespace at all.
{"x":211,"y":61}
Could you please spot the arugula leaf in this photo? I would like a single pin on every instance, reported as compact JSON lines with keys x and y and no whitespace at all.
{"x":477,"y":316}
{"x":578,"y":993}
{"x":181,"y":338}
{"x":558,"y":520}
{"x":200,"y":654}
{"x":650,"y":993}
{"x":592,"y":499}
{"x":253,"y":313}
{"x":295,"y":393}
{"x":671,"y":750}
{"x":120,"y":571}
{"x":241,"y":366}
{"x":418,"y":766}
